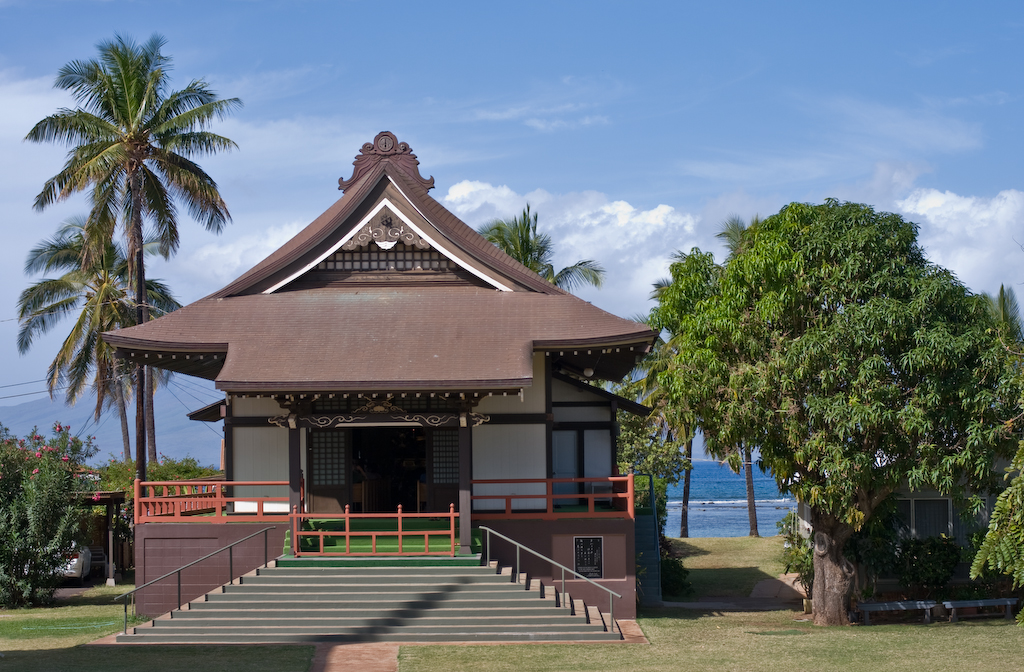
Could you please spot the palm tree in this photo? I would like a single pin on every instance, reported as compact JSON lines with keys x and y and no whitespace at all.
{"x":1006,"y":311}
{"x":131,"y":141}
{"x":518,"y":238}
{"x":732,"y":232}
{"x":99,"y":295}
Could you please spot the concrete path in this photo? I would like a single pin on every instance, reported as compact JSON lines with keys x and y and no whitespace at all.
{"x":355,"y":657}
{"x":781,"y":593}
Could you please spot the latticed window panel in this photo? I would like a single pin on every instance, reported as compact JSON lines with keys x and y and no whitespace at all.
{"x":446,"y":457}
{"x":327,"y":458}
{"x":401,"y":257}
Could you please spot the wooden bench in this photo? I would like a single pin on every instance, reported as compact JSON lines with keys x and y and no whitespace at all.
{"x":867,"y":607}
{"x":1007,"y":603}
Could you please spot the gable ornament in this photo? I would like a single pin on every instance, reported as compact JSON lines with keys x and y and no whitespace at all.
{"x":386,"y":231}
{"x":386,"y":147}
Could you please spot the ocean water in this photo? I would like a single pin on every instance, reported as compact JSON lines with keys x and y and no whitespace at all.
{"x":718,"y":503}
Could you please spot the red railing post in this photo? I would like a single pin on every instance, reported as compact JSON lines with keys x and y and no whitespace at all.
{"x":348,"y":532}
{"x":399,"y":529}
{"x":550,"y":489}
{"x":138,"y":499}
{"x":451,"y":526}
{"x":629,"y":492}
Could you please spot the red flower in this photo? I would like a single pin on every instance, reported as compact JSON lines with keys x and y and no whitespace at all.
{"x":65,"y":458}
{"x":38,"y":454}
{"x":36,"y":470}
{"x":96,"y":497}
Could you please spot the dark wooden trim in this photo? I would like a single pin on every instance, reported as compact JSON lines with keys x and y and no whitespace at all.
{"x":229,"y":444}
{"x":581,"y":404}
{"x":565,"y":426}
{"x":248,"y":421}
{"x":615,"y":438}
{"x":549,"y":422}
{"x":518,"y":418}
{"x":294,"y":468}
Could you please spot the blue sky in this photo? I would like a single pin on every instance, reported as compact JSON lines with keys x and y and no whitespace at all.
{"x":633,"y":128}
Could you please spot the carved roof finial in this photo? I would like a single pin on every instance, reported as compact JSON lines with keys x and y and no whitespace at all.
{"x":386,"y":147}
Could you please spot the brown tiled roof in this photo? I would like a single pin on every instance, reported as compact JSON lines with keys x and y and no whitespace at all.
{"x":378,"y":338}
{"x":366,"y":337}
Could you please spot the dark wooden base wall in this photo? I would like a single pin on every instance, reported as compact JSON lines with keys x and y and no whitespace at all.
{"x":164,"y":547}
{"x":555,"y":540}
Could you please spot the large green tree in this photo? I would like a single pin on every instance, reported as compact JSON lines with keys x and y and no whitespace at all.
{"x":518,"y":238}
{"x":131,"y":142}
{"x":98,"y":298}
{"x":1003,"y":547}
{"x":854,"y":364}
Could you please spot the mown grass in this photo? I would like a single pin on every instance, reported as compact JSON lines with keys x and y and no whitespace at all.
{"x":770,"y":641}
{"x":54,"y":639}
{"x":729,"y":566}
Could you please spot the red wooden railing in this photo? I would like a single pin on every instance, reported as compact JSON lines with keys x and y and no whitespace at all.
{"x":620,"y":495}
{"x":348,"y":533}
{"x":202,"y":501}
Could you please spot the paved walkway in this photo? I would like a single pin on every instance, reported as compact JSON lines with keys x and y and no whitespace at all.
{"x":781,"y":593}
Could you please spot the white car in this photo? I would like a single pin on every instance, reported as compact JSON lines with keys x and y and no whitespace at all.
{"x":79,"y":565}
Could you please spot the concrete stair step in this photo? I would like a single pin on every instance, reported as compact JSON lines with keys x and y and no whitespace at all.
{"x":540,"y":610}
{"x":371,"y":626}
{"x":392,"y":636}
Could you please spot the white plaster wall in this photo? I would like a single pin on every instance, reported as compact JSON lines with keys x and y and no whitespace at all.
{"x":242,"y":407}
{"x":582,"y":414}
{"x":260,"y":454}
{"x":533,"y":396}
{"x":509,"y":452}
{"x":597,"y":453}
{"x":562,"y":391}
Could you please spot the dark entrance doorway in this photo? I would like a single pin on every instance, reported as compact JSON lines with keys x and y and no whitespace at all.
{"x":389,"y":467}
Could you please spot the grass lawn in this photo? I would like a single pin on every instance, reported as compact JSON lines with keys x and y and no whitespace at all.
{"x":50,"y":639}
{"x":695,"y":641}
{"x":729,"y":566}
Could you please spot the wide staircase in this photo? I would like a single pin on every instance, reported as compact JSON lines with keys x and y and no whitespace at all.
{"x":313,"y":601}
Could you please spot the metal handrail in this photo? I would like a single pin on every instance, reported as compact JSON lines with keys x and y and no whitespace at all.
{"x":611,"y":593}
{"x":231,"y":570}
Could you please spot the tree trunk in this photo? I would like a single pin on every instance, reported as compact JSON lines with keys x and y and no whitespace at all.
{"x":136,"y":252}
{"x":833,"y":579}
{"x":122,"y":412}
{"x":150,"y":415}
{"x":684,"y":518}
{"x":748,"y":465}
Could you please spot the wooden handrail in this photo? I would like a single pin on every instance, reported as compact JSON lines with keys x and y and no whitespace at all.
{"x":550,"y":496}
{"x":347,"y":517}
{"x":174,"y":501}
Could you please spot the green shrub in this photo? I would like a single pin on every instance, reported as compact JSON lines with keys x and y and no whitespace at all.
{"x":927,"y":564}
{"x":39,"y":512}
{"x":674,"y":577}
{"x":797,"y":551}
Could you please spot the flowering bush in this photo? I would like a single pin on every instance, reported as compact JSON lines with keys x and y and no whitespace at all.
{"x":39,"y":511}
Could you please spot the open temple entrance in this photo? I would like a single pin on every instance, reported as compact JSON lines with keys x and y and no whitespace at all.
{"x":374,"y":469}
{"x":389,"y":467}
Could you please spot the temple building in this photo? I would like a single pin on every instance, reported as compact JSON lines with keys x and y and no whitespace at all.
{"x":389,"y":356}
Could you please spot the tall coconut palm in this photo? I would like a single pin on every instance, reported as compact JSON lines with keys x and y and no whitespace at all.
{"x":131,"y":141}
{"x":732,"y":232}
{"x":98,"y":298}
{"x":519,"y":239}
{"x":1006,"y":311}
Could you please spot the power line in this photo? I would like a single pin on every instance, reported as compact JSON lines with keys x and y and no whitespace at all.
{"x":216,"y":433}
{"x":31,"y":382}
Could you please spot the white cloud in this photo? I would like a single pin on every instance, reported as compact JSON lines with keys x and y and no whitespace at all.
{"x":977,"y":238}
{"x":634,"y":245}
{"x":884,"y":126}
{"x":216,"y":264}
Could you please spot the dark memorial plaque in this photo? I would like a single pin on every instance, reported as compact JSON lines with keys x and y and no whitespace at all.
{"x":588,"y":555}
